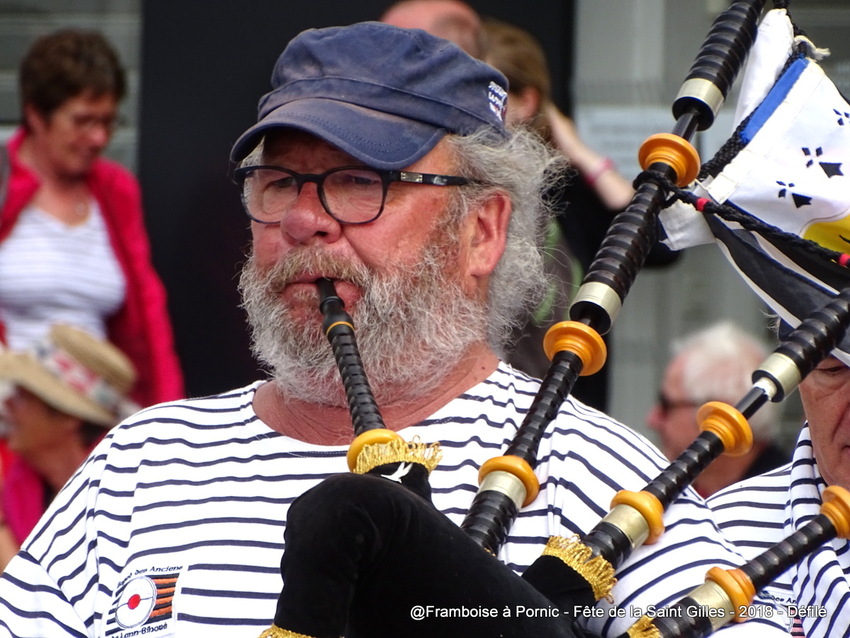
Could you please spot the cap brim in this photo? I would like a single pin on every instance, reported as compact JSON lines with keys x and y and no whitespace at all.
{"x":377,"y":139}
{"x":22,"y":369}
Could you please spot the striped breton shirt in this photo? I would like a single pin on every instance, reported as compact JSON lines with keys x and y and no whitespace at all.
{"x":174,"y":526}
{"x":764,"y":510}
{"x":51,"y":272}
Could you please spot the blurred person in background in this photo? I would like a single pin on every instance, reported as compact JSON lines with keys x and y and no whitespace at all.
{"x":73,"y":245}
{"x":67,"y":391}
{"x":715,"y":364}
{"x":598,"y":190}
{"x":450,"y":19}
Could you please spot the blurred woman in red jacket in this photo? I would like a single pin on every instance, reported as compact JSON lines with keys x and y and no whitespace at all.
{"x":73,"y":245}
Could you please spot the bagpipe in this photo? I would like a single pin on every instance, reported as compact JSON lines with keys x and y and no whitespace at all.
{"x":727,"y":595}
{"x":363,"y":549}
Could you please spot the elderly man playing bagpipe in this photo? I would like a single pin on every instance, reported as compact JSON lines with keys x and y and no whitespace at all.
{"x":385,"y":182}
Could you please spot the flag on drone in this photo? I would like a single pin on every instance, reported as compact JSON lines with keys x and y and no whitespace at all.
{"x":784,"y":178}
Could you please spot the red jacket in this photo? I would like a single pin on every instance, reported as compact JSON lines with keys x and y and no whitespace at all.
{"x":22,"y":495}
{"x":142,"y":327}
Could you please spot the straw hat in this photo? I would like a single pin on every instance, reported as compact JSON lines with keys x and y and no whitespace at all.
{"x":75,"y":373}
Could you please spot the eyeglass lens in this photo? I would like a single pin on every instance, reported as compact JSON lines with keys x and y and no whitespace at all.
{"x":351,"y":195}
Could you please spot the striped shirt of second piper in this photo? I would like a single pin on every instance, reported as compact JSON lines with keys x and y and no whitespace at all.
{"x":755,"y":514}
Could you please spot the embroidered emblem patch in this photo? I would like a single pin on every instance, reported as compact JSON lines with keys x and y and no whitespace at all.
{"x":143,"y":604}
{"x":498,"y":98}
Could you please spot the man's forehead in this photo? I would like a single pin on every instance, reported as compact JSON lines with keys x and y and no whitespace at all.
{"x":294,"y":143}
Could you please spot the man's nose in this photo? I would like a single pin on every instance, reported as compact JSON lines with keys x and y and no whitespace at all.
{"x":306,"y":219}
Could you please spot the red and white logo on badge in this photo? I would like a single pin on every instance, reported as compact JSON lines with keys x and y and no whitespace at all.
{"x":145,"y":599}
{"x":136,"y":602}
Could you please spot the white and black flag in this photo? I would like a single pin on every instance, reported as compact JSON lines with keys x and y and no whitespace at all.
{"x":786,"y":171}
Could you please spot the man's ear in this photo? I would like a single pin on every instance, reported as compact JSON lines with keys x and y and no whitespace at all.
{"x":489,"y":233}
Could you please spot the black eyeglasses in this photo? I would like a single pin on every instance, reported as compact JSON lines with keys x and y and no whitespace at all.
{"x":667,"y":405}
{"x":349,"y":194}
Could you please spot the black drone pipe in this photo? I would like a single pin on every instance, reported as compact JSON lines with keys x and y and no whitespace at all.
{"x":339,"y":329}
{"x":375,"y":449}
{"x":576,"y":348}
{"x":636,"y":517}
{"x":726,"y":595}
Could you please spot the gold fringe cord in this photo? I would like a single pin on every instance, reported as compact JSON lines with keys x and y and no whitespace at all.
{"x":276,"y":632}
{"x":643,"y":628}
{"x":597,"y":571}
{"x":398,"y":451}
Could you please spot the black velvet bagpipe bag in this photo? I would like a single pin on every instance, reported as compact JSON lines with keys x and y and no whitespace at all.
{"x":368,"y":558}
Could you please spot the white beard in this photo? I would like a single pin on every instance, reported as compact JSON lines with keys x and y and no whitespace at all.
{"x":413,"y":326}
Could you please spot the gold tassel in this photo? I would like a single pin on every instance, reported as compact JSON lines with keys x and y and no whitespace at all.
{"x":597,"y":571}
{"x":398,"y":451}
{"x":276,"y":632}
{"x":643,"y":628}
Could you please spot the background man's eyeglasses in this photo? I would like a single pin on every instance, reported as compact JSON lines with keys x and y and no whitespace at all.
{"x":349,"y":194}
{"x":668,"y":405}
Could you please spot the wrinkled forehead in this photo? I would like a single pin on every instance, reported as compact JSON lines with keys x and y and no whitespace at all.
{"x":290,"y":145}
{"x":296,"y":144}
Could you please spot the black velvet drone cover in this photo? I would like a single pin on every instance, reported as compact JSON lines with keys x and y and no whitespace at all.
{"x":365,"y":557}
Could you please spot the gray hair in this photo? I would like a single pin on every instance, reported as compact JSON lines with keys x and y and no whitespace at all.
{"x":718,"y":365}
{"x":525,"y":168}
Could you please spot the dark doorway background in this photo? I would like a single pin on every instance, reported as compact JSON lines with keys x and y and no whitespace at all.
{"x":204,"y":66}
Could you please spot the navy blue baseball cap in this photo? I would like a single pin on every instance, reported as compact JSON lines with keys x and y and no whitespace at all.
{"x":383,"y":94}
